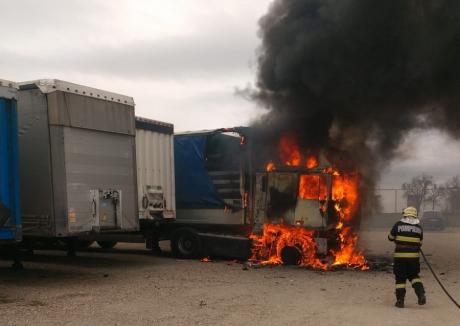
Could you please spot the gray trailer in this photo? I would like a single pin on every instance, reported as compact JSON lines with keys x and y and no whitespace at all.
{"x":77,"y":160}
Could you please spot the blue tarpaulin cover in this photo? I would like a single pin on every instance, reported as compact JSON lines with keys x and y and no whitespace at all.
{"x":194,"y":187}
{"x":9,"y":173}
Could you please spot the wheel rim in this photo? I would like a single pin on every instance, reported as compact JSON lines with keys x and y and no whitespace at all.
{"x":186,"y":245}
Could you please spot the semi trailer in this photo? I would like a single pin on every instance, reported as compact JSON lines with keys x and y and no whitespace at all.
{"x":223,"y":195}
{"x":77,"y":162}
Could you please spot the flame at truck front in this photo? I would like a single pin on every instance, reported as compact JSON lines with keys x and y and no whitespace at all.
{"x":325,"y":194}
{"x":278,"y":237}
{"x":346,"y":195}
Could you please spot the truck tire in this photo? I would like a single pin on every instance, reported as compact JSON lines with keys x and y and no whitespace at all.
{"x":107,"y":244}
{"x":185,"y":243}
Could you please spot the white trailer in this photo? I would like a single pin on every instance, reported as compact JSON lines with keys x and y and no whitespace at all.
{"x":155,"y":169}
{"x":156,"y":189}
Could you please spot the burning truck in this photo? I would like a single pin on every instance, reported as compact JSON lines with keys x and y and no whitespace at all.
{"x":294,"y":209}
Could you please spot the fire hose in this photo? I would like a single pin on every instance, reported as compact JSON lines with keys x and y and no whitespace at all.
{"x":439,"y":281}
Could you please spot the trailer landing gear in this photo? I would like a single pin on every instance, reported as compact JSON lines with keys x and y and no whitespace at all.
{"x":17,"y":261}
{"x":72,"y":245}
{"x":152,"y":242}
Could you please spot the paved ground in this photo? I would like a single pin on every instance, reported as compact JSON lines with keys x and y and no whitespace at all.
{"x":129,"y":287}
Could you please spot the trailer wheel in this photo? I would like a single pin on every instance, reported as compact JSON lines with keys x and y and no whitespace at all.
{"x":185,"y":243}
{"x":107,"y":244}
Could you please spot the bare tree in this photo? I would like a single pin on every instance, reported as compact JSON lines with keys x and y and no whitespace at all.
{"x":453,"y":193}
{"x":416,"y":191}
{"x":434,"y":194}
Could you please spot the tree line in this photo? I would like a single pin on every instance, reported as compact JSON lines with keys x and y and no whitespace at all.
{"x":422,"y":189}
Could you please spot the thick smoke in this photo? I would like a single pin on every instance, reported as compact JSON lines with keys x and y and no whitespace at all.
{"x":353,"y":77}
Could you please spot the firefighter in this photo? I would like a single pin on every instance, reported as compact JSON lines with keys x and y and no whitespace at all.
{"x":407,"y":235}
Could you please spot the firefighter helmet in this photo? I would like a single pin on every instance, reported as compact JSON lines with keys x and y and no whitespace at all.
{"x":410,"y":212}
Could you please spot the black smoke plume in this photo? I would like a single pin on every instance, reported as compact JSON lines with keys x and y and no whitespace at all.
{"x":353,"y":77}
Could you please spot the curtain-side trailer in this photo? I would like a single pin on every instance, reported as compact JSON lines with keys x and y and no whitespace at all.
{"x":77,"y":162}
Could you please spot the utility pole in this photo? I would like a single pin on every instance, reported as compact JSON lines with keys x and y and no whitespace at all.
{"x":396,"y":196}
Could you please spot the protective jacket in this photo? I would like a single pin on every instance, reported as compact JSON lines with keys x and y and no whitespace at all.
{"x":408,"y":238}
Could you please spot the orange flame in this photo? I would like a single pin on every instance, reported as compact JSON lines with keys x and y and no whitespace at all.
{"x":312,"y":187}
{"x":348,"y":254}
{"x":206,"y":260}
{"x":289,"y":150}
{"x":345,"y":192}
{"x":290,"y":154}
{"x":270,"y":166}
{"x":267,"y":249}
{"x":312,"y":162}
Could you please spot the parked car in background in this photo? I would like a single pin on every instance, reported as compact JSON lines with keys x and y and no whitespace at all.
{"x":433,"y":221}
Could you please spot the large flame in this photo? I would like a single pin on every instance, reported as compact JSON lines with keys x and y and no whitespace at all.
{"x":312,"y":187}
{"x":345,"y":194}
{"x":268,"y":248}
{"x":289,"y":151}
{"x":291,"y":155}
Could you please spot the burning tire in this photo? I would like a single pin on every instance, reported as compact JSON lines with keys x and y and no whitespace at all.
{"x":107,"y":244}
{"x":291,"y":255}
{"x":186,"y":243}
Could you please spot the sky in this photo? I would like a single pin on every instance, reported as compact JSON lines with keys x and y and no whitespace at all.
{"x":424,"y":152}
{"x":181,"y":60}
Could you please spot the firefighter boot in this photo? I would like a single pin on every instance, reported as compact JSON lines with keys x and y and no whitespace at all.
{"x":400,"y":294}
{"x":420,"y":292}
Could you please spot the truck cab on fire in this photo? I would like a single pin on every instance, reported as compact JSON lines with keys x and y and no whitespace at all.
{"x":223,"y":196}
